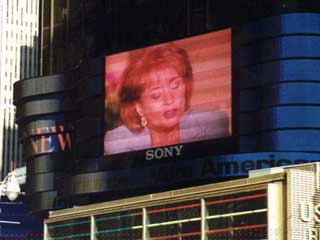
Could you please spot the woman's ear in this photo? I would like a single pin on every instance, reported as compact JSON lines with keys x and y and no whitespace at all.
{"x":140,"y":112}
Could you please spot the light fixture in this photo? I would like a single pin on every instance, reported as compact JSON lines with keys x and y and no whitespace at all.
{"x":10,"y":187}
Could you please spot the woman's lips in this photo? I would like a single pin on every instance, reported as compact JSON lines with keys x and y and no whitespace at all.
{"x":170,"y":114}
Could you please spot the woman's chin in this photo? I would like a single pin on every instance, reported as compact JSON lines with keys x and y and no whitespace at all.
{"x":166,"y":128}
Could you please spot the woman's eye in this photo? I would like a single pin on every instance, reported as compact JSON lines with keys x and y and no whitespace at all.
{"x":155,"y":95}
{"x":175,"y":84}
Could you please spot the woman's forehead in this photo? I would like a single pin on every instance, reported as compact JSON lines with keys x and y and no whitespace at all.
{"x":160,"y":73}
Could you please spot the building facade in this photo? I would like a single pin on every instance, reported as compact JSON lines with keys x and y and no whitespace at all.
{"x":275,"y":204}
{"x":274,"y":59}
{"x":19,"y":26}
{"x":75,"y":30}
{"x":68,"y":33}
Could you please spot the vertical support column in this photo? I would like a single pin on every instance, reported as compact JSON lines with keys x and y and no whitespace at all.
{"x":41,"y":29}
{"x":16,"y":147}
{"x":275,"y":211}
{"x":5,"y":154}
{"x":45,"y":232}
{"x":145,"y":222}
{"x":317,"y":176}
{"x":93,"y":228}
{"x":204,"y":223}
{"x":36,"y":43}
{"x":52,"y":9}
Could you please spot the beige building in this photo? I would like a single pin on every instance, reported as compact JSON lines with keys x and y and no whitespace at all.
{"x":18,"y":60}
{"x":277,"y":203}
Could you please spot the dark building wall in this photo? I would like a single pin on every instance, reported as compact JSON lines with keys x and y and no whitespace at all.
{"x":66,"y":99}
{"x":44,"y":114}
{"x":18,"y":223}
{"x":75,"y":30}
{"x":279,"y":84}
{"x":69,"y":33}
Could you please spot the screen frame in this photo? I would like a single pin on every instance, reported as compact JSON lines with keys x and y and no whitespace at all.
{"x":226,"y":145}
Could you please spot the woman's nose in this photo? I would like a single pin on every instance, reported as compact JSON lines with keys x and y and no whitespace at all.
{"x":167,"y":97}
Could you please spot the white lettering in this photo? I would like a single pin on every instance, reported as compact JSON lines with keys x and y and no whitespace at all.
{"x":317,"y":213}
{"x":149,"y":155}
{"x":164,"y":152}
{"x":168,"y":152}
{"x":313,"y":234}
{"x":306,"y":211}
{"x":178,"y":149}
{"x":160,"y":151}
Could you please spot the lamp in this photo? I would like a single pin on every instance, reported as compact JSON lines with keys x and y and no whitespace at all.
{"x":10,"y":187}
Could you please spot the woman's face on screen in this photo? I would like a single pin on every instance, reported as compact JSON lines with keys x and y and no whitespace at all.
{"x":162,"y":102}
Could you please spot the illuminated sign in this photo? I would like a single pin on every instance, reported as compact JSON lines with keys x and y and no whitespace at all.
{"x":304,"y":205}
{"x":162,"y":96}
{"x":215,"y":167}
{"x":164,"y":152}
{"x":310,"y":213}
{"x":50,"y":139}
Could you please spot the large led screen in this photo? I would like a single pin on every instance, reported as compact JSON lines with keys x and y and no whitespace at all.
{"x":168,"y":95}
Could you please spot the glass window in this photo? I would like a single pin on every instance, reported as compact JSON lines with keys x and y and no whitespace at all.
{"x":237,"y":216}
{"x":175,"y":221}
{"x":125,"y":225}
{"x":59,"y":11}
{"x":46,"y":13}
{"x":71,"y":229}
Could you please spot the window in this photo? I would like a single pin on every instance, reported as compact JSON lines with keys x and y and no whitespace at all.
{"x":175,"y":221}
{"x":77,"y":228}
{"x":125,"y":225}
{"x":235,"y":216}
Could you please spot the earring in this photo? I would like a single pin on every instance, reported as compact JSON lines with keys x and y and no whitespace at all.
{"x":144,"y":121}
